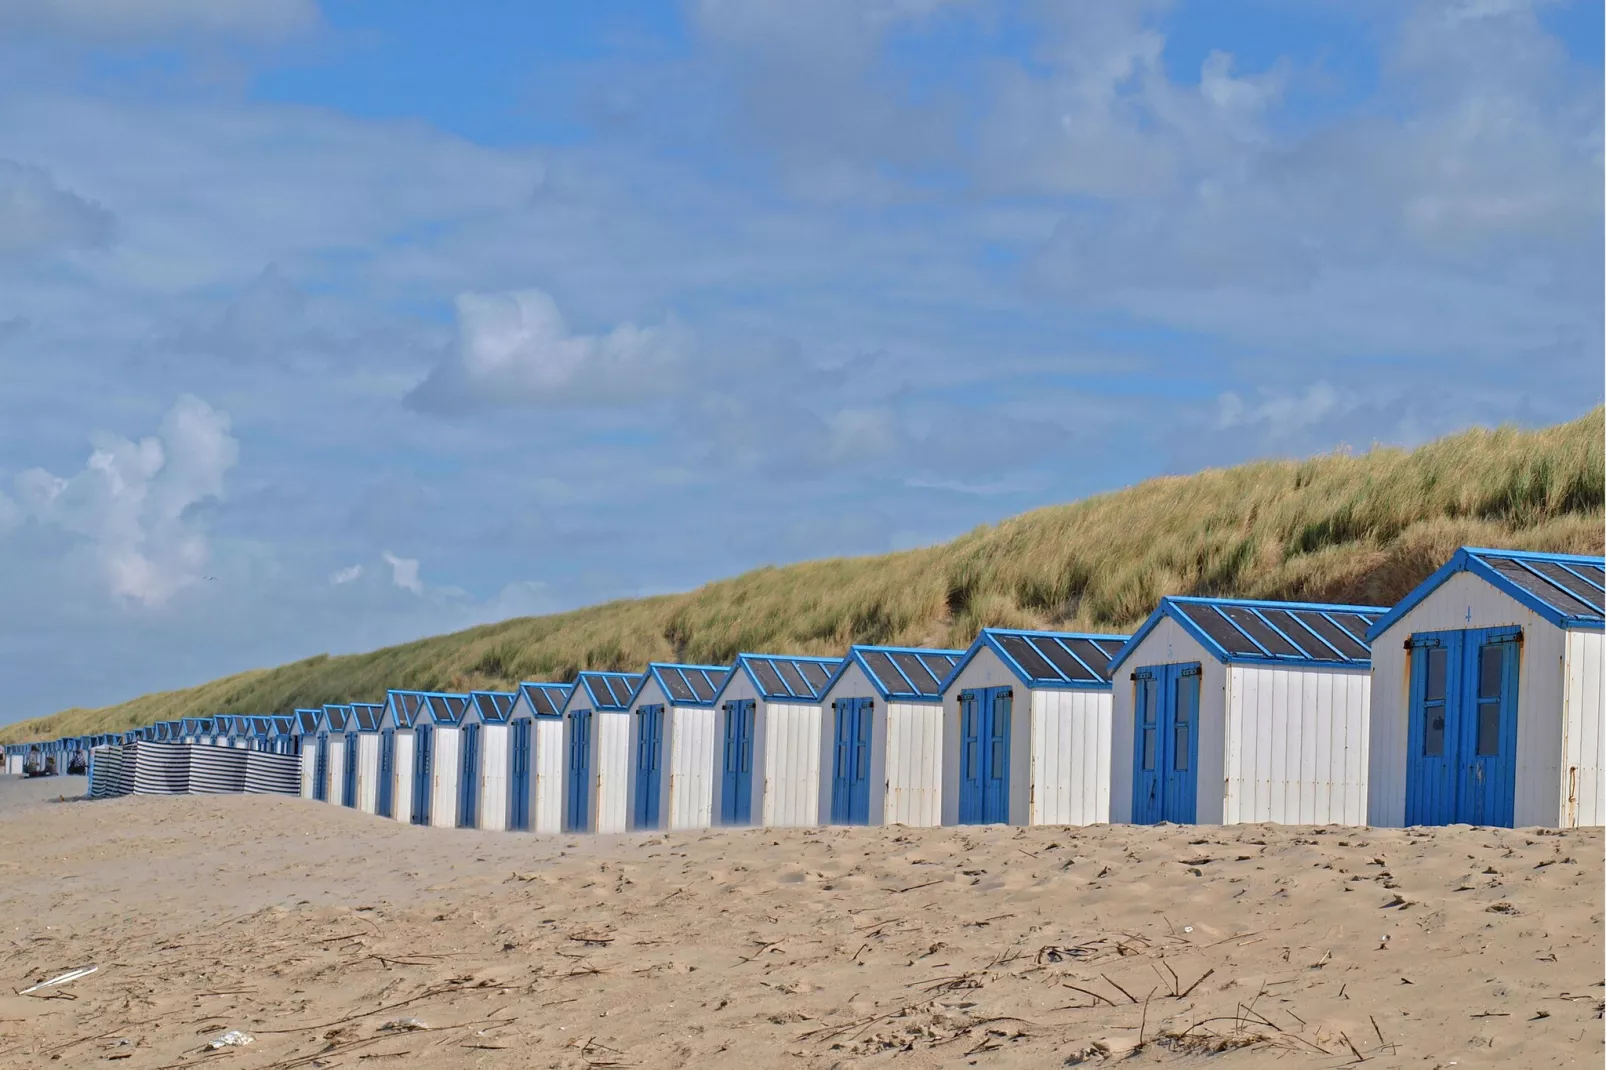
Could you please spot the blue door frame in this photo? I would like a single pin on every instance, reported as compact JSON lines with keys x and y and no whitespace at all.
{"x":1165,"y":748}
{"x":985,"y":718}
{"x":468,"y":779}
{"x":1461,"y":762}
{"x":578,"y":804}
{"x":518,"y":804}
{"x":850,"y":766}
{"x":320,"y":768}
{"x":736,"y":796}
{"x":423,"y":770}
{"x":348,"y":778}
{"x":649,"y":765}
{"x":387,"y":773}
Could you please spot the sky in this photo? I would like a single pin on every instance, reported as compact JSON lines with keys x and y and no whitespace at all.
{"x":329,"y":325}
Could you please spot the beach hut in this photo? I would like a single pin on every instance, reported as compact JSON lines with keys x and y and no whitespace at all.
{"x":16,"y":753}
{"x":1231,"y":711}
{"x":535,"y":758}
{"x":882,"y":737}
{"x":437,"y":742}
{"x":482,"y":779}
{"x":340,"y":773}
{"x":314,"y":754}
{"x":397,"y":754}
{"x":362,"y":752}
{"x":596,"y":746}
{"x":768,"y":724}
{"x":1487,"y":695}
{"x":672,"y":751}
{"x":1026,"y":729}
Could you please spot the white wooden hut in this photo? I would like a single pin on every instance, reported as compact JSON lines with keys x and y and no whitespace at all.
{"x":881,"y":757}
{"x":768,"y":722}
{"x":1487,"y":695}
{"x":437,"y":758}
{"x":535,"y":758}
{"x":341,"y":764}
{"x":672,"y":751}
{"x":1026,"y":729}
{"x":482,"y":800}
{"x":314,"y":756}
{"x":1231,"y":711}
{"x":596,"y":746}
{"x":362,"y":750}
{"x":399,"y":758}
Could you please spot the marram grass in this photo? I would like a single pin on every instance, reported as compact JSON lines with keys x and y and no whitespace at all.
{"x":1362,"y":528}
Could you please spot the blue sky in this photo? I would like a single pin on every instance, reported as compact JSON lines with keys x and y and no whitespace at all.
{"x":326,"y":326}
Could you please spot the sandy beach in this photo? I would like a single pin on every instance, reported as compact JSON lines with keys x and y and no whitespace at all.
{"x":330,"y":937}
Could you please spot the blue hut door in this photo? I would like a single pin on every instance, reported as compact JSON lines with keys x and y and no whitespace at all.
{"x":1165,"y":751}
{"x":579,"y":796}
{"x":736,"y":798}
{"x":850,"y":774}
{"x":1462,"y":733}
{"x":348,"y":778}
{"x":649,"y":763}
{"x":387,"y":773}
{"x":468,"y":779}
{"x":320,"y":768}
{"x":423,"y":770}
{"x":985,"y":715}
{"x":518,"y":810}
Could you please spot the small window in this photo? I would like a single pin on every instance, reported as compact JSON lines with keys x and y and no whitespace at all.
{"x":1488,"y":728}
{"x":1437,"y":664}
{"x":1433,"y":732}
{"x":1179,"y":757}
{"x":1148,"y":749}
{"x":1148,"y":701}
{"x":1491,"y":669}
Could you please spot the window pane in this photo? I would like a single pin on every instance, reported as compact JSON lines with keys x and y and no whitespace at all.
{"x":1147,"y":688}
{"x":1433,"y":732}
{"x":1148,"y":748}
{"x":998,"y":763}
{"x":1184,"y":698}
{"x":1179,"y":758}
{"x":970,"y":759}
{"x":1437,"y":661}
{"x":1488,"y":728}
{"x":1491,"y":666}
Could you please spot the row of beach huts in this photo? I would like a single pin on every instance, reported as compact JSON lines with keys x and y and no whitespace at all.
{"x":1478,"y":699}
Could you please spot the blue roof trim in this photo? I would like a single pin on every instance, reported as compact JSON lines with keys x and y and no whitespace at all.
{"x":1472,"y":559}
{"x":744,"y":662}
{"x":395,"y":706}
{"x":987,"y":639}
{"x":500,"y":703}
{"x":604,"y":699}
{"x":656,"y":669}
{"x":856,"y":657}
{"x":1168,"y":607}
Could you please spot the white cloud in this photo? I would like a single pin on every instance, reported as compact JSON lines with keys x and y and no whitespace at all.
{"x":36,"y":215}
{"x":133,"y":502}
{"x":404,"y":572}
{"x":150,"y":18}
{"x":1281,"y":416}
{"x":516,"y":347}
{"x":345,"y":575}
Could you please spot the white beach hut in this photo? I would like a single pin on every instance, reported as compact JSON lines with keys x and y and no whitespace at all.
{"x":437,"y":758}
{"x":881,"y":762}
{"x":596,"y":744}
{"x":672,"y":751}
{"x":1487,"y":695}
{"x":314,"y":755}
{"x":341,"y":772}
{"x":768,"y":723}
{"x":482,"y":800}
{"x":535,"y":758}
{"x":1026,"y":729}
{"x":1231,"y":711}
{"x":362,"y":752}
{"x":399,"y":756}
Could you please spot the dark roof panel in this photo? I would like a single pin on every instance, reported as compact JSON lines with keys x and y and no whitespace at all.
{"x":1540,"y":587}
{"x":675,"y":682}
{"x":1027,"y":657}
{"x":917,"y":672}
{"x":1218,"y":628}
{"x":1260,"y":631}
{"x":1062,"y":659}
{"x":1093,"y":654}
{"x":1347,"y":645}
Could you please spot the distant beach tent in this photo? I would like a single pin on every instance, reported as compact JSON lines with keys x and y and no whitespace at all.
{"x":882,"y":737}
{"x":398,"y":754}
{"x":769,"y":731}
{"x":1231,"y":711}
{"x":482,"y":800}
{"x":314,"y":755}
{"x":596,"y":745}
{"x":673,"y":749}
{"x":1026,"y":729}
{"x":1487,"y":695}
{"x":16,"y":753}
{"x":536,"y":758}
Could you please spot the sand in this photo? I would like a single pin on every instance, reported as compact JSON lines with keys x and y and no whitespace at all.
{"x":313,"y":928}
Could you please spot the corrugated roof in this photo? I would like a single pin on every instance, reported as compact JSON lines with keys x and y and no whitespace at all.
{"x":609,"y":690}
{"x":1265,"y":632}
{"x":898,"y":672}
{"x":689,"y":685}
{"x":1565,"y":589}
{"x":545,"y":700}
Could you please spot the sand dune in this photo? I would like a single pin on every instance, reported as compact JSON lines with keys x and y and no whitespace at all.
{"x":312,"y":928}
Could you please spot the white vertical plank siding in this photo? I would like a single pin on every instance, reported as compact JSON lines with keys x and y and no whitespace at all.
{"x":610,"y":772}
{"x":1070,"y":757}
{"x":789,"y":735}
{"x":546,"y":776}
{"x":443,"y":777}
{"x":368,"y":772}
{"x":1582,"y":784}
{"x":1467,"y":601}
{"x":309,"y":766}
{"x":401,"y":806}
{"x":493,"y":777}
{"x":336,"y":791}
{"x":910,"y":766}
{"x":1308,"y":727}
{"x":687,"y":785}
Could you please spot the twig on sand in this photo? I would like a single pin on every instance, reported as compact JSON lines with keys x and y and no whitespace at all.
{"x":1089,"y":992}
{"x":1118,"y":988}
{"x":916,"y":887}
{"x":1184,"y":993}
